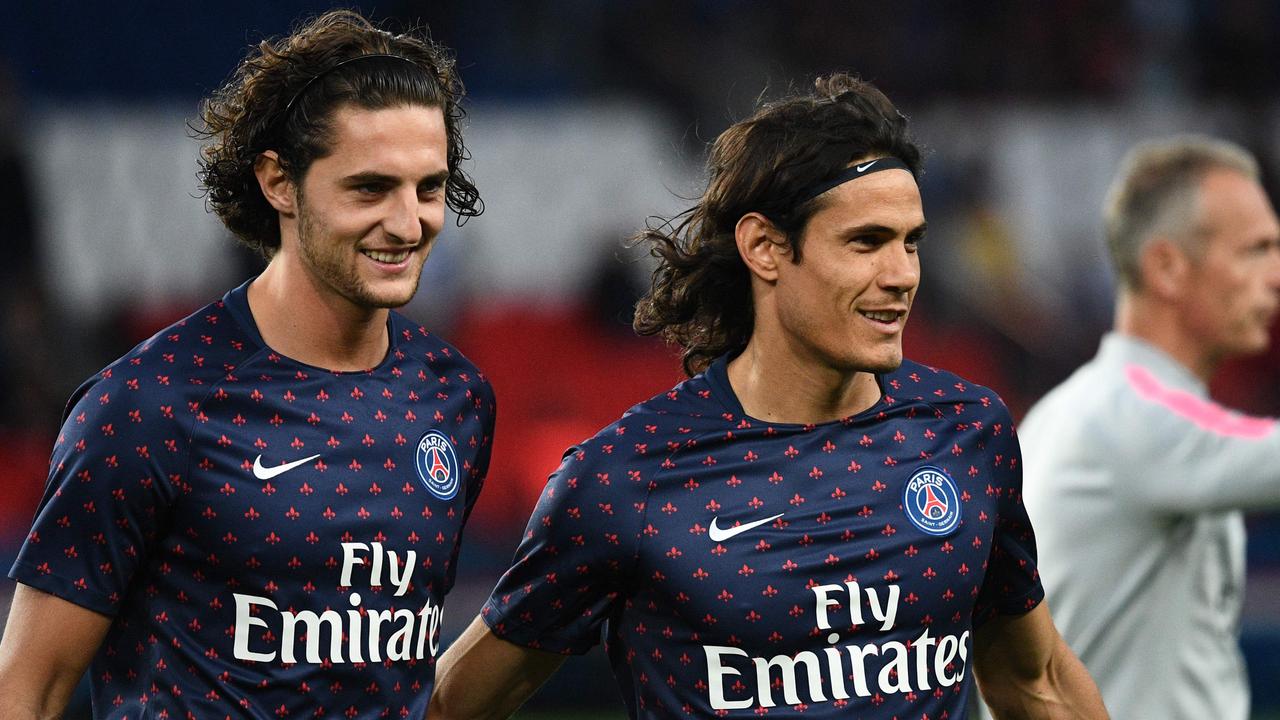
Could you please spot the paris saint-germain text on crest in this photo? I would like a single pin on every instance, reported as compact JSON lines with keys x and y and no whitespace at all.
{"x":931,"y":501}
{"x":438,"y":465}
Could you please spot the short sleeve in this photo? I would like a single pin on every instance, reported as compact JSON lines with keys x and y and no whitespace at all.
{"x":1012,"y":582}
{"x":112,"y":479}
{"x":572,"y":568}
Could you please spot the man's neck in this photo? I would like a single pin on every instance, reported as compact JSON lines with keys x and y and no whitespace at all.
{"x":1161,"y":326}
{"x":309,"y":323}
{"x":785,"y":387}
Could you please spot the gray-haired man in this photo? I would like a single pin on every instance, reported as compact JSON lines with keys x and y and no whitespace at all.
{"x":1135,"y":479}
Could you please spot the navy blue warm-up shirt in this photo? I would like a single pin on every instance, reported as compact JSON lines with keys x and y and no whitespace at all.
{"x":272,"y":540}
{"x":736,"y":567}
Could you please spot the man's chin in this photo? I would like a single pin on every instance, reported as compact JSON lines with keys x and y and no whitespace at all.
{"x":382,"y":301}
{"x":884,"y":363}
{"x":392,"y":303}
{"x":1259,"y":345}
{"x":887,"y":366}
{"x":389,"y":297}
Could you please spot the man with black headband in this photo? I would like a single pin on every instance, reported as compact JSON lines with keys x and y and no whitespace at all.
{"x":256,"y":512}
{"x":808,"y":526}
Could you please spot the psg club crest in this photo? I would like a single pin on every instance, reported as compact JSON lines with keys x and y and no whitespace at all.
{"x":931,"y":501}
{"x":438,"y":465}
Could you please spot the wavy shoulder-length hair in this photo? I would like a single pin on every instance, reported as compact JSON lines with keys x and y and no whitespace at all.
{"x":283,"y":97}
{"x":700,"y":297}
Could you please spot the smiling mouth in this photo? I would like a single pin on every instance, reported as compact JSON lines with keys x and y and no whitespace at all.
{"x":383,"y":256}
{"x":882,"y":316}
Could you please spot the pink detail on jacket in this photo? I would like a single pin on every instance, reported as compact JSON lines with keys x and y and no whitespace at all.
{"x":1204,"y":413}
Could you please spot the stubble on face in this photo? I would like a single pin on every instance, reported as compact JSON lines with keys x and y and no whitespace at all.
{"x":332,"y":261}
{"x":379,"y":192}
{"x":859,"y":258}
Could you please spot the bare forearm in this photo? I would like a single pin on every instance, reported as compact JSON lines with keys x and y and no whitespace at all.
{"x":24,"y":697}
{"x":474,"y":696}
{"x":47,"y":644}
{"x":12,"y":709}
{"x":1026,"y":671}
{"x":1063,"y":691}
{"x":465,"y":691}
{"x":482,"y":677}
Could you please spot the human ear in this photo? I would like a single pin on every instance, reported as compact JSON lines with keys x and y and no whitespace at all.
{"x":1165,"y":267}
{"x":275,"y":184}
{"x":761,"y":245}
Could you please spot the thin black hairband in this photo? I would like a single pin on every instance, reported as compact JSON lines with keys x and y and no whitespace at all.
{"x":853,"y":172}
{"x":288,"y":108}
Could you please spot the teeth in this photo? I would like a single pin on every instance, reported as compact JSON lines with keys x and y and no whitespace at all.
{"x":881,"y":316}
{"x":387,"y":257}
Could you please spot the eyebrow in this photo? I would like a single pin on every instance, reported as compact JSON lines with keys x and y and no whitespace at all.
{"x":877,"y":229}
{"x":377,"y":177}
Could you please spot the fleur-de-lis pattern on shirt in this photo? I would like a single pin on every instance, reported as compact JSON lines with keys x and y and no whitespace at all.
{"x":899,"y":531}
{"x":258,"y":528}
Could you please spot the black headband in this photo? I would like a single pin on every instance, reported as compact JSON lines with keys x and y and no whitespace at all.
{"x":288,"y":108}
{"x":851,"y":173}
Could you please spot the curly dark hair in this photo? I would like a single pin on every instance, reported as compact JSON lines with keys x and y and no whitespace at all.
{"x":283,"y":95}
{"x":701,"y":293}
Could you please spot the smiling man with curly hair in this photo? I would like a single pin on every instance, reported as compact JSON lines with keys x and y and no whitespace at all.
{"x":256,"y":513}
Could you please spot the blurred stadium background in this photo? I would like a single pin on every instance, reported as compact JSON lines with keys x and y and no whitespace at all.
{"x":586,"y":118}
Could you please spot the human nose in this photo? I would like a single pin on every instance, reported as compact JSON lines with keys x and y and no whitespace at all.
{"x":405,"y":217}
{"x":900,"y":269}
{"x":1272,"y":276}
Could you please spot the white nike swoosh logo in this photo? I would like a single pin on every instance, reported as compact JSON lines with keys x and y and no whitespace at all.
{"x":863,"y":168}
{"x":266,"y":473}
{"x":718,"y":534}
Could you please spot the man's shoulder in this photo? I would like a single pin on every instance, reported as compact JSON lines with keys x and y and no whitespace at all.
{"x":684,"y":409}
{"x":159,"y":387}
{"x":917,"y":382}
{"x":179,"y":363}
{"x":440,"y":358}
{"x":650,"y":431}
